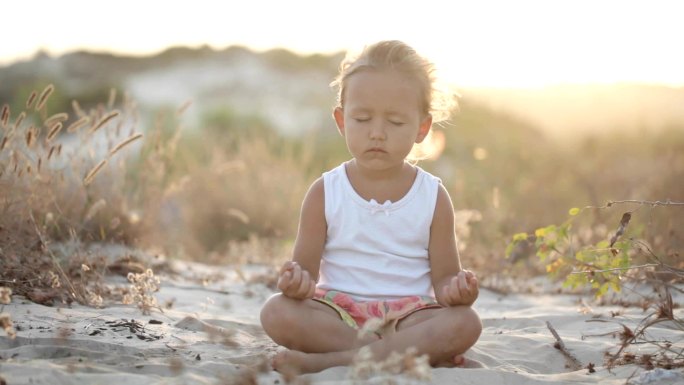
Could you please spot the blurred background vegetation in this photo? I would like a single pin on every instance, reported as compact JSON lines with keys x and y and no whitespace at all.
{"x":221,"y":179}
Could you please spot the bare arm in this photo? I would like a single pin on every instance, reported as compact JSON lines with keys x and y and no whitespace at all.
{"x":298,"y":277}
{"x":453,"y":285}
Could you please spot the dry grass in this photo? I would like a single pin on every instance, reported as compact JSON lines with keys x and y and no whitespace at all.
{"x":90,"y":183}
{"x":45,"y":201}
{"x":410,"y":365}
{"x":141,"y":291}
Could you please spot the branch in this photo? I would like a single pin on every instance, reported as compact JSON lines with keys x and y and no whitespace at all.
{"x":55,"y":262}
{"x":575,"y":364}
{"x":647,"y":203}
{"x":616,"y":269}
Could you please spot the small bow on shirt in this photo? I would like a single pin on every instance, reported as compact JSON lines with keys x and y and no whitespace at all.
{"x":377,"y":207}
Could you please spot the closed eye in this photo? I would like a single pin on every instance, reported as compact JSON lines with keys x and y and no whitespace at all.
{"x":361,"y":120}
{"x":396,"y":123}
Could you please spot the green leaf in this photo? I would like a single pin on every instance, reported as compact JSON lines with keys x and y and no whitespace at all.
{"x":509,"y":249}
{"x":542,"y":255}
{"x":602,"y":245}
{"x":616,"y":286}
{"x":519,"y":237}
{"x":602,"y":290}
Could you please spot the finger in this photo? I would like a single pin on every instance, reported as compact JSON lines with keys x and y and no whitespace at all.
{"x":312,"y":289}
{"x":287,"y":266}
{"x":296,"y":277}
{"x":446,"y":296}
{"x":304,"y":285}
{"x":462,"y":288}
{"x":474,"y":288}
{"x":462,"y":281}
{"x":284,"y":281}
{"x":454,"y":291}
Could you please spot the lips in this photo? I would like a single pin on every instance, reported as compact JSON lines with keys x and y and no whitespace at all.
{"x":377,"y":150}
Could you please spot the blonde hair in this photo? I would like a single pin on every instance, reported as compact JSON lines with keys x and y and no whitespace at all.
{"x":435,"y":99}
{"x":398,"y":56}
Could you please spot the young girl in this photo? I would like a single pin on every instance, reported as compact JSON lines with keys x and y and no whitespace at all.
{"x":376,"y":248}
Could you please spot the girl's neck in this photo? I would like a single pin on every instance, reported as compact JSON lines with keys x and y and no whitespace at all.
{"x":381,"y":185}
{"x":395,"y":173}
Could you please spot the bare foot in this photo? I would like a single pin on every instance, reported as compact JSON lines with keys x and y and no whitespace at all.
{"x":292,"y":362}
{"x":460,"y":361}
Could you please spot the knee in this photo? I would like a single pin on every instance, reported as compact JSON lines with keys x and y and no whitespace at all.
{"x":274,"y":317}
{"x":270,"y":312}
{"x":468,"y":325}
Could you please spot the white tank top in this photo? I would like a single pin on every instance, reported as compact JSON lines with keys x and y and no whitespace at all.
{"x":377,"y":251}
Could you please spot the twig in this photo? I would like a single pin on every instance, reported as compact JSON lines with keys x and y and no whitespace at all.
{"x":73,"y":293}
{"x":169,"y":346}
{"x":649,"y":203}
{"x":575,"y":364}
{"x":616,"y":269}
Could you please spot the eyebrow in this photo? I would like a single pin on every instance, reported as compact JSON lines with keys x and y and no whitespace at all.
{"x":361,"y":110}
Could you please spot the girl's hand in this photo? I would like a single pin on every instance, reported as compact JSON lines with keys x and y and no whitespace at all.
{"x":295,"y":282}
{"x":462,"y":289}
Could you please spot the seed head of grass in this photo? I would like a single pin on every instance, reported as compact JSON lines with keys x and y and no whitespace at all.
{"x":6,"y":324}
{"x":5,"y":295}
{"x":44,"y":97}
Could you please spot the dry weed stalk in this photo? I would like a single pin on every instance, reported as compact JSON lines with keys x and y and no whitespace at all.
{"x":54,"y":130}
{"x":409,"y":364}
{"x":4,"y":116}
{"x":221,"y":335}
{"x":19,"y":120}
{"x":31,"y":99}
{"x":94,"y":209}
{"x":58,"y":117}
{"x":141,"y":291}
{"x":82,"y":121}
{"x":30,"y":136}
{"x":6,"y":324}
{"x":91,"y":174}
{"x":5,"y":295}
{"x":183,"y":108}
{"x":42,"y":100}
{"x":125,"y":142}
{"x":111,"y":115}
{"x":77,"y":109}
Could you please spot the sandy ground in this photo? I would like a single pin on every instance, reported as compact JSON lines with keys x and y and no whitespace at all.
{"x":211,"y":335}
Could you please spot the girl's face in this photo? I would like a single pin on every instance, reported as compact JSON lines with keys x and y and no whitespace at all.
{"x":381,"y":118}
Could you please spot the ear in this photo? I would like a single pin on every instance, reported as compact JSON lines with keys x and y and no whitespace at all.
{"x":424,"y":128}
{"x":338,"y":114}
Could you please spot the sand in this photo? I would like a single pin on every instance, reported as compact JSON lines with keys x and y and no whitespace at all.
{"x":211,"y":335}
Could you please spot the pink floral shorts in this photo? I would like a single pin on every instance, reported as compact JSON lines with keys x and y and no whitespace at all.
{"x":389,"y":313}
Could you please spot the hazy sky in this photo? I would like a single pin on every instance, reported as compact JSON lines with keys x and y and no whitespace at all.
{"x":488,"y":43}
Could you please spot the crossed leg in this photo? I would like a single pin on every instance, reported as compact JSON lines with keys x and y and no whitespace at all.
{"x":319,"y":339}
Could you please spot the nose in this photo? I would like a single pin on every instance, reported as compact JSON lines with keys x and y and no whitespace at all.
{"x":377,"y":131}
